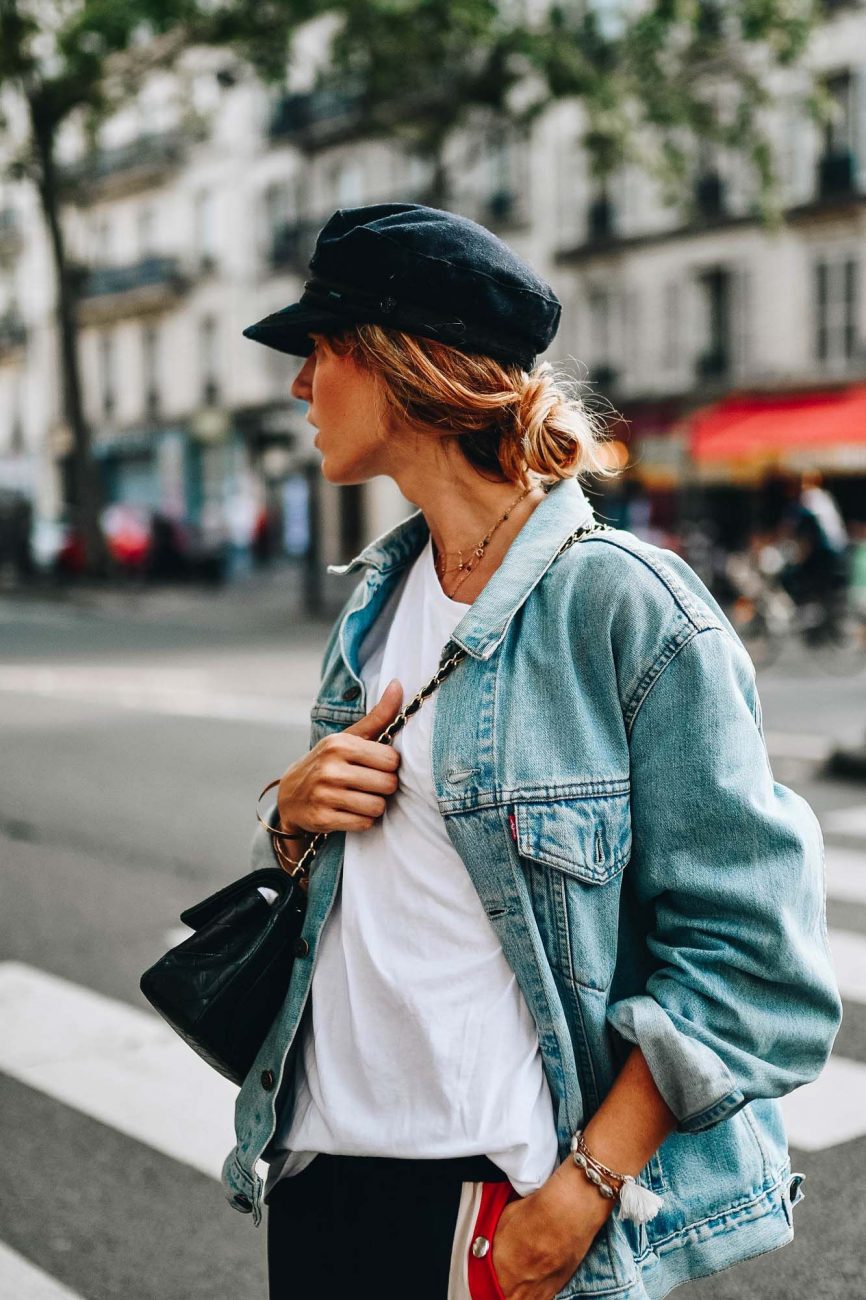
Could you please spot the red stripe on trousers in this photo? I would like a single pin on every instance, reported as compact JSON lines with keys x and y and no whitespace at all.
{"x":483,"y":1282}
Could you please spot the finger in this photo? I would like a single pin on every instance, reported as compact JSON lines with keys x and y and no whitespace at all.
{"x":382,"y":713}
{"x":366,"y":753}
{"x":353,"y":776}
{"x":358,"y":803}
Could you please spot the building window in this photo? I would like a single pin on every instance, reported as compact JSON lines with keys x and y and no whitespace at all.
{"x":602,"y":370}
{"x":210,"y":391}
{"x":345,"y":183}
{"x":107,"y":375}
{"x":100,"y":239}
{"x":837,"y":303}
{"x":205,"y":229}
{"x":837,"y":166}
{"x":714,"y":360}
{"x":150,"y":370}
{"x":671,"y":327}
{"x":632,"y":335}
{"x":287,"y":243}
{"x":145,"y":232}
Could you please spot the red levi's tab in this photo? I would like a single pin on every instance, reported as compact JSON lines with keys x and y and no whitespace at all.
{"x":512,"y":822}
{"x":483,"y":1282}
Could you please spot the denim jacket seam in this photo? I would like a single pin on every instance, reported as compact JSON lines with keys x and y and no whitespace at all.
{"x":734,"y":1211}
{"x":721,"y":1104}
{"x":697,"y":613}
{"x":662,"y":661}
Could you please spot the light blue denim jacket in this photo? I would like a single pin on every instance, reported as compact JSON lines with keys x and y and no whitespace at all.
{"x":600,"y":764}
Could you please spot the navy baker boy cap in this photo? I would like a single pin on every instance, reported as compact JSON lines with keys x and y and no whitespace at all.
{"x":424,"y":271}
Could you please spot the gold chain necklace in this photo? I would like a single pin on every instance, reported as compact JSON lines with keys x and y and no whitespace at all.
{"x":478,"y":550}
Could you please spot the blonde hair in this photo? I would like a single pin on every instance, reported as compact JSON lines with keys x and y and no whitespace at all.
{"x":522,"y":425}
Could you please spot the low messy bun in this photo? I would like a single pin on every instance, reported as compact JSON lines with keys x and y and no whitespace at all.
{"x":526,"y":427}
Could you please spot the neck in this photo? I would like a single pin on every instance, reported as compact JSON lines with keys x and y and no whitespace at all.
{"x":460,"y":520}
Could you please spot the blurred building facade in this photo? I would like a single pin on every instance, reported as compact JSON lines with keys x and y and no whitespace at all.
{"x":198,"y":213}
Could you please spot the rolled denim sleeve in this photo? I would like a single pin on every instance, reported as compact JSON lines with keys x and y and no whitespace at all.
{"x":728,"y":865}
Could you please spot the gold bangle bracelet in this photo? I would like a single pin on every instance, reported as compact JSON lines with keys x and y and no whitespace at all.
{"x":273,"y":830}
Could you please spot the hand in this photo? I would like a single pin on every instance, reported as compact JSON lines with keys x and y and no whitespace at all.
{"x":541,"y":1239}
{"x":343,"y":782}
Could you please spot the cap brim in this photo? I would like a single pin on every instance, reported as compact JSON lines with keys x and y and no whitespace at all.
{"x":288,"y":330}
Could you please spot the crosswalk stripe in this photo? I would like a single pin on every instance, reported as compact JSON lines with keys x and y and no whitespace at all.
{"x":849,"y":963}
{"x":24,"y":1281}
{"x":166,"y":696}
{"x":122,"y":1066}
{"x":829,"y":1110}
{"x":846,"y":874}
{"x":791,"y":744}
{"x":846,"y":821}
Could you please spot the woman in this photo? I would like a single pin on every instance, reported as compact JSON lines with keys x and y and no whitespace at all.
{"x":568,"y":944}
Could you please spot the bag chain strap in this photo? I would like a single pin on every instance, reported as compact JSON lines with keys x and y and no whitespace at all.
{"x":446,"y":667}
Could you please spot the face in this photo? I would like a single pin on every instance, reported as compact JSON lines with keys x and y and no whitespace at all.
{"x":345,"y":408}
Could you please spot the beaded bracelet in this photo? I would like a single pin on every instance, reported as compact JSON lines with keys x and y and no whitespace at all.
{"x":635,"y":1202}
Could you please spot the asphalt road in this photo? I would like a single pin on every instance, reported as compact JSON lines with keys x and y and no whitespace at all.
{"x":137,"y":733}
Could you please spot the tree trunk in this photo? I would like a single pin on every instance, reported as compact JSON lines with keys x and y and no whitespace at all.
{"x":86,"y":483}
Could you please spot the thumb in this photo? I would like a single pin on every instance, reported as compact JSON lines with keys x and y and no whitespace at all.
{"x":388,"y":706}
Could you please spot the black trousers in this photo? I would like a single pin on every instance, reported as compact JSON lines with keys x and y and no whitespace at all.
{"x":367,"y":1225}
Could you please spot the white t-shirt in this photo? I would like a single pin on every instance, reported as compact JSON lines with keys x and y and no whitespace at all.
{"x":419,"y":1043}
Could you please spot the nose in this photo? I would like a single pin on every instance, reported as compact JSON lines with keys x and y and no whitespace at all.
{"x":302,"y":388}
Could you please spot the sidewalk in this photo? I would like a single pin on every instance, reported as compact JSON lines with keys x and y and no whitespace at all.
{"x":267,"y":600}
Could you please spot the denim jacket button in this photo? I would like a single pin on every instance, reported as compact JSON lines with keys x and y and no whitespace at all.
{"x":352,"y":693}
{"x":267,"y":1079}
{"x":480,"y":1247}
{"x":242,"y":1202}
{"x":301,"y":946}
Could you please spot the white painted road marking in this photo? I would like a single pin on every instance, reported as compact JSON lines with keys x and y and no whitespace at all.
{"x":846,"y":821}
{"x":846,"y":874}
{"x":176,"y":694}
{"x":791,"y":744}
{"x":24,"y":1281}
{"x":122,"y":1066}
{"x":830,"y":1110}
{"x":849,"y":963}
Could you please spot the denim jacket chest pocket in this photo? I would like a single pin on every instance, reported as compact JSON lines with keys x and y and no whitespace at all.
{"x":573,"y":852}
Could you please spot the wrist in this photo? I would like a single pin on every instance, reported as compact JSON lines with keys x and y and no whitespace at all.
{"x":576,"y":1206}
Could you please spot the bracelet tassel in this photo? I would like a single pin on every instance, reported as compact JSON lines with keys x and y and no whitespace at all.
{"x":635,"y":1202}
{"x":638,"y":1203}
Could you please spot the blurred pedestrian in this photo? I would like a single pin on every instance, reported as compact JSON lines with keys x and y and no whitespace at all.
{"x":819,"y":569}
{"x":564,"y":934}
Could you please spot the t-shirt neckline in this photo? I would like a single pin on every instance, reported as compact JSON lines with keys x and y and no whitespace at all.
{"x":433,"y":578}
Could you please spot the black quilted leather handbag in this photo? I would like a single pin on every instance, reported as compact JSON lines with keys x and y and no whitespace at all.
{"x":221,"y":988}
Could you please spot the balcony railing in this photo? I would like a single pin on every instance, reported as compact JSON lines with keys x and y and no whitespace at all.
{"x":315,"y":117}
{"x":137,"y":164}
{"x":107,"y":280}
{"x":13,"y":333}
{"x":113,"y":292}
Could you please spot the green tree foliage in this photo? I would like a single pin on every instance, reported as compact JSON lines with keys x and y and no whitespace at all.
{"x":661,"y":83}
{"x":59,"y":58}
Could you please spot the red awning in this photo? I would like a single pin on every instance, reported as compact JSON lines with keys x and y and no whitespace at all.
{"x":758,"y":427}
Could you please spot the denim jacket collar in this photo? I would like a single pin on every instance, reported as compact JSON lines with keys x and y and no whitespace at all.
{"x":479,"y":632}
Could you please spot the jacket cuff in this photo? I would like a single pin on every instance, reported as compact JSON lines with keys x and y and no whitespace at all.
{"x":693,"y":1080}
